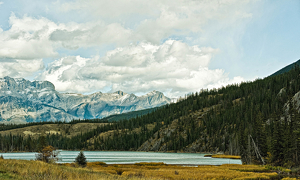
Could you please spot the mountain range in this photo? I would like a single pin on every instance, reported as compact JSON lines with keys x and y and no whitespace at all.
{"x":24,"y":101}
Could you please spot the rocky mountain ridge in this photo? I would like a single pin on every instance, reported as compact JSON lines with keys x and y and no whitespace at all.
{"x":25,"y":101}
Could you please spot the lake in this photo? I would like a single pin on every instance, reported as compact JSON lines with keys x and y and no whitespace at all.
{"x":130,"y":157}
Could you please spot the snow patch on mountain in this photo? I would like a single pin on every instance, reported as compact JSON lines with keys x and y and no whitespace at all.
{"x":24,"y":101}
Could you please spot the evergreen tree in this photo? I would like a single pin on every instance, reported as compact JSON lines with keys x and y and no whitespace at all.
{"x":42,"y":143}
{"x":80,"y":159}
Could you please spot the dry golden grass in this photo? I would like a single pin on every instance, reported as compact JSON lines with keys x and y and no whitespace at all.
{"x":163,"y":171}
{"x":225,"y":156}
{"x":31,"y":170}
{"x":22,"y":169}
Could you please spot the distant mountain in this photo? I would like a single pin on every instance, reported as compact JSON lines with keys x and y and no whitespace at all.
{"x":286,"y":68}
{"x":25,"y":101}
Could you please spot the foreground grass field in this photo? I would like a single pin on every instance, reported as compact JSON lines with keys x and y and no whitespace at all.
{"x":163,"y":171}
{"x":35,"y":170}
{"x":22,"y":169}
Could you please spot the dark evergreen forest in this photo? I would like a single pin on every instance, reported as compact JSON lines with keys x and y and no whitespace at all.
{"x":258,"y":120}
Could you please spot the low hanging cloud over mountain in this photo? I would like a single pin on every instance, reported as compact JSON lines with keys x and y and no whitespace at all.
{"x":173,"y":67}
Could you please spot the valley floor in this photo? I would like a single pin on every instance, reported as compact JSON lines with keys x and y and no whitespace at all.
{"x":22,"y":169}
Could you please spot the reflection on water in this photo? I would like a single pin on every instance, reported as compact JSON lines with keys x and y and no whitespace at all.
{"x":124,"y":157}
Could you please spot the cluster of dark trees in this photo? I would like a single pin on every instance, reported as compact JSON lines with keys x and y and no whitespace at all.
{"x":257,"y":120}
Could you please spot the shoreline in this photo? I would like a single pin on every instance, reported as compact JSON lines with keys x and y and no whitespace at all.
{"x":224,"y":156}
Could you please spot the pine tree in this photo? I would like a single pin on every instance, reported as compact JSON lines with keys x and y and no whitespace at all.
{"x":80,"y":159}
{"x":42,"y":143}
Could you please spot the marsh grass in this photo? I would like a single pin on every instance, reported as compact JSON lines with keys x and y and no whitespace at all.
{"x":164,"y":171}
{"x":224,"y":156}
{"x":22,"y":169}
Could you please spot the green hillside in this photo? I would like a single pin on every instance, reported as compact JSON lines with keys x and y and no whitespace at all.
{"x":258,"y":120}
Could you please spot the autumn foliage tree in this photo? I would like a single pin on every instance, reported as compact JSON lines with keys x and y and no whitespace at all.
{"x":47,"y":154}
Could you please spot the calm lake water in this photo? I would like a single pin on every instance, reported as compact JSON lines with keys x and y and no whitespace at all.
{"x":125,"y":157}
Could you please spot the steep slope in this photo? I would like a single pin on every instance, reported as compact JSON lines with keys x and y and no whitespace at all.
{"x":287,"y":68}
{"x":24,"y":101}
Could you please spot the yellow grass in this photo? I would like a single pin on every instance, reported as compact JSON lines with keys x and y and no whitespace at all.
{"x":225,"y":156}
{"x":31,"y":170}
{"x":163,"y":171}
{"x":22,"y":169}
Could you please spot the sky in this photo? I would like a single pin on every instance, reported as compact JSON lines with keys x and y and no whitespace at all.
{"x":137,"y":46}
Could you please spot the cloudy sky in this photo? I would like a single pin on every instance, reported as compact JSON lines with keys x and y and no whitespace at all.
{"x":173,"y":46}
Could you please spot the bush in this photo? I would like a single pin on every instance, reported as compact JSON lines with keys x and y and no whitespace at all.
{"x":95,"y":164}
{"x":80,"y":159}
{"x":1,"y":157}
{"x":119,"y":171}
{"x":47,"y":154}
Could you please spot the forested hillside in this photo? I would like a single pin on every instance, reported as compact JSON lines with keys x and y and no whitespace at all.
{"x":287,"y":68}
{"x":258,"y":120}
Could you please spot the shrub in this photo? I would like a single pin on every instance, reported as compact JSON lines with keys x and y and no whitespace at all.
{"x":80,"y":159}
{"x":47,"y":154}
{"x":95,"y":164}
{"x":1,"y":157}
{"x":119,"y":171}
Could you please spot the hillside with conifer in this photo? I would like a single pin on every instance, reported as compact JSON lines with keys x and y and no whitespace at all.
{"x":257,"y":120}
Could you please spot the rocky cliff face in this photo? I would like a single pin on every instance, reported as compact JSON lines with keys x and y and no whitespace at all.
{"x":25,"y":101}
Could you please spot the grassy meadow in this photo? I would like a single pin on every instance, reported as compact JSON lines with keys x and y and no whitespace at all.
{"x":23,"y":169}
{"x":35,"y":170}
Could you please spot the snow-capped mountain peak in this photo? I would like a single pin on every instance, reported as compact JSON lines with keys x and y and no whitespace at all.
{"x":25,"y":101}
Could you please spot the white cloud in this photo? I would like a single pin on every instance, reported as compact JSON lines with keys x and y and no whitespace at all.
{"x":117,"y":23}
{"x":27,"y":38}
{"x":30,"y":38}
{"x":1,"y":3}
{"x":142,"y":59}
{"x":155,"y":20}
{"x":111,"y":9}
{"x":173,"y":67}
{"x":20,"y":68}
{"x":91,"y":34}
